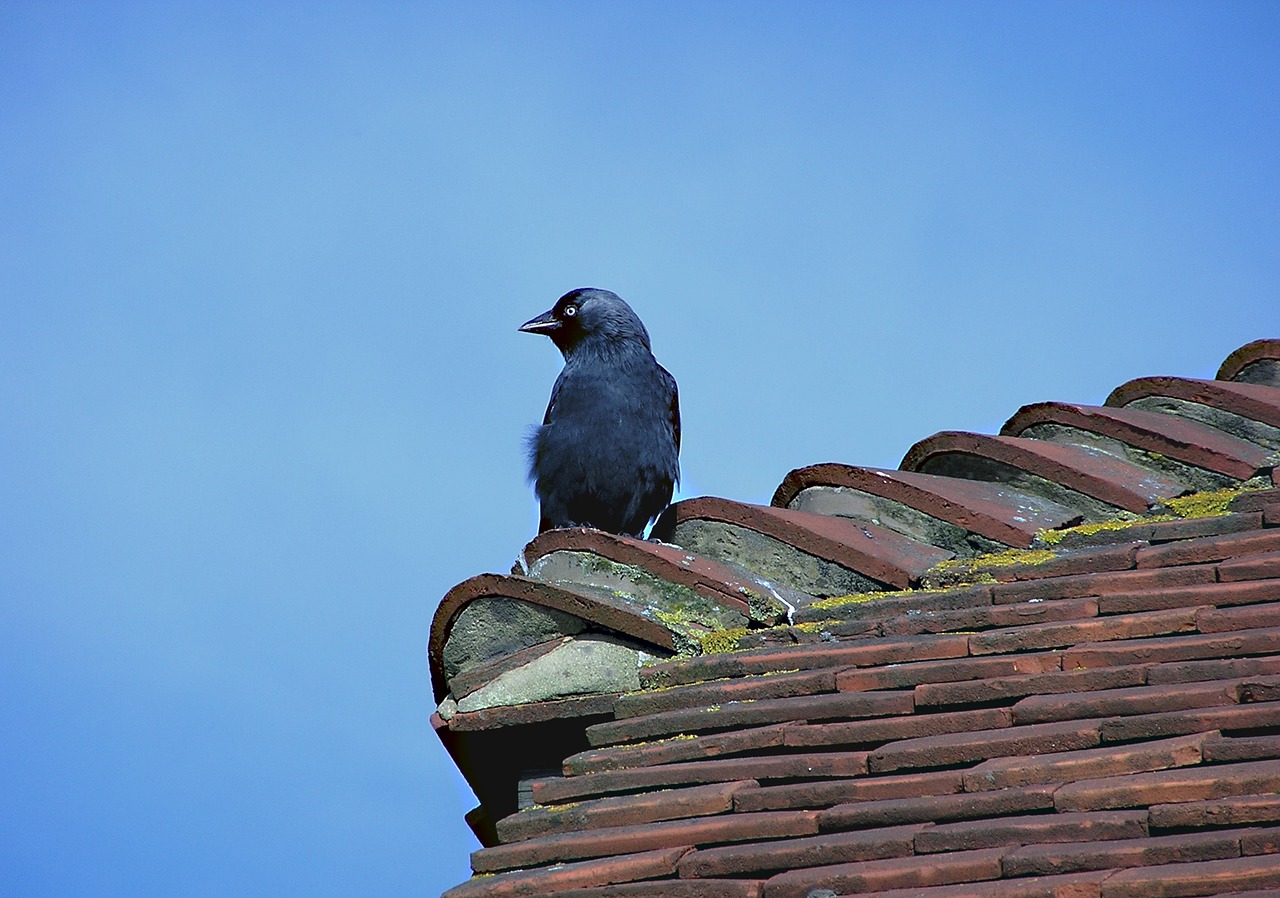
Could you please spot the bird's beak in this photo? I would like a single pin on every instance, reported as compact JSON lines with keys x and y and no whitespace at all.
{"x":543,"y":324}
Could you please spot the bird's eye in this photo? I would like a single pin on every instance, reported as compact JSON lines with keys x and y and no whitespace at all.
{"x":570,"y":311}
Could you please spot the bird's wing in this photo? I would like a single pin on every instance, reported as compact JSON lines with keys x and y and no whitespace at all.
{"x":675,"y":405}
{"x":551,"y":403}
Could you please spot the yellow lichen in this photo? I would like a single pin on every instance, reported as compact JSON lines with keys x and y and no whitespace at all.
{"x":719,"y":641}
{"x":1209,"y":504}
{"x":1054,"y":537}
{"x":816,"y":626}
{"x":858,"y":597}
{"x":1007,"y":558}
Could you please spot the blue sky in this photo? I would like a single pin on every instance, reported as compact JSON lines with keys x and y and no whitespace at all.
{"x":261,"y":267}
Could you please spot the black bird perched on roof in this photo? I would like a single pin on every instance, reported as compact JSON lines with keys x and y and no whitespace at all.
{"x":607,"y":453}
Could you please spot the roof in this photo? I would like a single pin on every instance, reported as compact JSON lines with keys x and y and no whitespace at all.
{"x":1039,"y":663}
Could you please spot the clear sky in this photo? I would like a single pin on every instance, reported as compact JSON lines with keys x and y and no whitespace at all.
{"x":263,"y":397}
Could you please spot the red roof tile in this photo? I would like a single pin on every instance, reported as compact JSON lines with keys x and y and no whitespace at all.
{"x":1186,"y":441}
{"x":988,"y":509}
{"x":1256,"y":362}
{"x":1088,"y":472}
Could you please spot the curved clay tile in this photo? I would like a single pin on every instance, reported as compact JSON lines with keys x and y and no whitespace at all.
{"x":1255,"y":363}
{"x":1095,"y":474}
{"x":708,"y":578}
{"x":877,"y":553}
{"x":999,"y":513}
{"x":1255,"y":401}
{"x":613,"y":614}
{"x":1178,"y":438}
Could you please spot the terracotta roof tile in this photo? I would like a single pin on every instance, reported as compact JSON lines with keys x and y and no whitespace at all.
{"x":964,"y":806}
{"x":1046,"y":860}
{"x":1195,"y":720}
{"x":667,"y":751}
{"x":990,"y":510}
{"x":1089,"y":763}
{"x":1209,"y":548}
{"x":762,"y":661}
{"x":1213,"y":669}
{"x":875,"y":552}
{"x":1216,"y":594}
{"x":1083,"y":561}
{"x":895,"y":873}
{"x":770,"y":857}
{"x":1199,"y":783}
{"x":1173,"y":648}
{"x":1206,"y":877}
{"x":960,"y":748}
{"x":550,"y":790}
{"x":1252,"y":401}
{"x":1057,"y":635}
{"x":669,"y":564}
{"x":966,"y":619}
{"x":1233,"y":811}
{"x":873,"y":732}
{"x":946,"y":671}
{"x":1189,"y":442}
{"x":1256,"y":363}
{"x":1078,"y":473}
{"x":672,"y":888}
{"x":614,"y":840}
{"x":1102,"y":584}
{"x":967,"y":835}
{"x":829,"y":794}
{"x":626,"y":868}
{"x":625,"y":810}
{"x":787,"y":685}
{"x":1219,"y":749}
{"x":1126,"y":701}
{"x":1073,"y":885}
{"x":1244,"y":617}
{"x":738,"y":714}
{"x":1252,"y":567}
{"x":1163,"y":531}
{"x":997,"y":688}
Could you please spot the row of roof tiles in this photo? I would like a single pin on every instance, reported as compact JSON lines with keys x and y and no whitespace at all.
{"x":852,"y":702}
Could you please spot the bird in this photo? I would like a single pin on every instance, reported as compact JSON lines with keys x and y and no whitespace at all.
{"x":607,"y":453}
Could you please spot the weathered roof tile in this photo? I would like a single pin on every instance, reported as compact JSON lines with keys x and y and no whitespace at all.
{"x":603,"y":841}
{"x":1197,"y":783}
{"x":967,"y":835}
{"x":1203,"y":878}
{"x":551,"y":790}
{"x":1046,"y":860}
{"x":991,"y":510}
{"x":770,"y":857}
{"x":1189,"y":442}
{"x":1069,"y":475}
{"x":624,"y":810}
{"x":895,"y":873}
{"x":1089,"y":763}
{"x":737,"y":714}
{"x":959,"y":748}
{"x":624,"y":868}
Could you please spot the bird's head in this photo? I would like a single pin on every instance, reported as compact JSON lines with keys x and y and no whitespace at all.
{"x":588,"y":316}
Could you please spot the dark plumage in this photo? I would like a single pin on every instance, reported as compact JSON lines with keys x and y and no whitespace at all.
{"x":607,"y":453}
